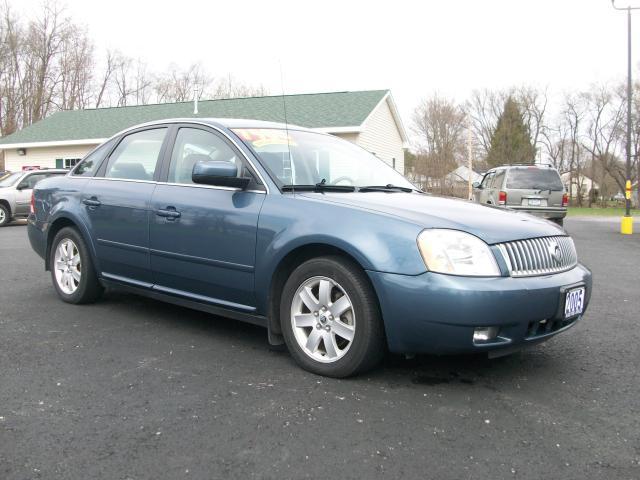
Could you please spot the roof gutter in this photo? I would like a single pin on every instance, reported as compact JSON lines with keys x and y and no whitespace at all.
{"x":353,"y":129}
{"x":57,"y":143}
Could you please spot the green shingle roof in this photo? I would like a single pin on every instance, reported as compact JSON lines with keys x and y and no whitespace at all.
{"x":317,"y":110}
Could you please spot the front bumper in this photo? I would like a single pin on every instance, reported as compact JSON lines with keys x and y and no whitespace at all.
{"x":437,"y":314}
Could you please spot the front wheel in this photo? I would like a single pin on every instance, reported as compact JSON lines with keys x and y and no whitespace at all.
{"x":330,"y":318}
{"x":73,"y":274}
{"x":5,"y":216}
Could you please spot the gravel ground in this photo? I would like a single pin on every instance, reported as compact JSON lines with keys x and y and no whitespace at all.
{"x":130,"y":388}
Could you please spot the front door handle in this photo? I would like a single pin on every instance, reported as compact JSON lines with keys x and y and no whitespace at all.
{"x":170,"y":213}
{"x":92,"y":202}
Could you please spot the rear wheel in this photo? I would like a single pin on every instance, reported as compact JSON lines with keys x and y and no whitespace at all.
{"x":73,"y":274}
{"x":330,"y":318}
{"x":5,"y":215}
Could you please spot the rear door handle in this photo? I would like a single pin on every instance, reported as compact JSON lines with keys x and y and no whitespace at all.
{"x":92,"y":202}
{"x":169,"y":213}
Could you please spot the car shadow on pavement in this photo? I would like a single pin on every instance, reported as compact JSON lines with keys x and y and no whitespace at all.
{"x":421,"y":370}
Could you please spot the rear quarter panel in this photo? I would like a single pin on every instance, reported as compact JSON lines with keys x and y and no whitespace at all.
{"x":61,"y":198}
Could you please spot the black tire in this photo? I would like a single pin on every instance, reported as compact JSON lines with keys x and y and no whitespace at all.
{"x":5,"y":216}
{"x":559,"y":221}
{"x":368,"y":344}
{"x":89,"y":288}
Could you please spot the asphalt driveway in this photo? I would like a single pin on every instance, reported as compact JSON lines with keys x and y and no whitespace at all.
{"x":130,"y":388}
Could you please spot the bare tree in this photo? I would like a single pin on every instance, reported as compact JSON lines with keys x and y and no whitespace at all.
{"x":440,"y":126}
{"x":604,"y":115}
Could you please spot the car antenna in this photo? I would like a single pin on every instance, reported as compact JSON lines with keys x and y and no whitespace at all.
{"x":286,"y":128}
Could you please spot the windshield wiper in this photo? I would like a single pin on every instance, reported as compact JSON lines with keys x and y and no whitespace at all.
{"x":322,"y":186}
{"x":385,"y":188}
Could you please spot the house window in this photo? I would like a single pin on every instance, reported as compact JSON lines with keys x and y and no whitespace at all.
{"x":67,"y":162}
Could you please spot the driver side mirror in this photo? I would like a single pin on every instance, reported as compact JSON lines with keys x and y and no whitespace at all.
{"x":221,"y":174}
{"x":477,"y":185}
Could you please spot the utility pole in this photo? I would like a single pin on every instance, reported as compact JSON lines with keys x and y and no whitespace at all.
{"x":470,"y":165}
{"x":195,"y":100}
{"x":626,"y":227}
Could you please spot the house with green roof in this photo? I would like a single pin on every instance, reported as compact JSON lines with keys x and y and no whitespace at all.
{"x":367,"y":118}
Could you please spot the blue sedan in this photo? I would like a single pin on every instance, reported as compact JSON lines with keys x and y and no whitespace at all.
{"x":330,"y":249}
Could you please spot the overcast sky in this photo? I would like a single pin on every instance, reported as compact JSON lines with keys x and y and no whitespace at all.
{"x":415,"y":48}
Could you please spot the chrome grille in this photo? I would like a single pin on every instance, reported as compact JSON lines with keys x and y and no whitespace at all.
{"x":539,"y":256}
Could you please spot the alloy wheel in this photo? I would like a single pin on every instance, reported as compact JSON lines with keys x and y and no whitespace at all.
{"x":68,"y":266}
{"x":323,"y":319}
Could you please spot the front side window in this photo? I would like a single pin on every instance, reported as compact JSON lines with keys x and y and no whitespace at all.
{"x":90,"y":164}
{"x":193,"y":145}
{"x":307,"y":158}
{"x":30,"y":181}
{"x":534,"y":178}
{"x":136,"y":156}
{"x":486,"y":181}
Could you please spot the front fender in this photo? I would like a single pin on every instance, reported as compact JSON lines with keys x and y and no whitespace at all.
{"x":378,"y":242}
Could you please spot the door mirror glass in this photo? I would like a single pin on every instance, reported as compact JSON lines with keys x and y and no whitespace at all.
{"x":476,"y":185}
{"x":219,"y":173}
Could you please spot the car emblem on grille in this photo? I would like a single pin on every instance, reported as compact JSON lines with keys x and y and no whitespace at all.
{"x":554,"y":251}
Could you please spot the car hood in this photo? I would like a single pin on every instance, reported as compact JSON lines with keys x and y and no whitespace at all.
{"x":491,"y":224}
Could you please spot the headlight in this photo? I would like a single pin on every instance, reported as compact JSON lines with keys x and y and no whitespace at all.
{"x":457,"y":253}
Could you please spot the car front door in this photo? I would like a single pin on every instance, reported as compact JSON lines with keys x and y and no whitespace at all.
{"x":116,"y":201}
{"x":23,"y":192}
{"x":203,"y":238}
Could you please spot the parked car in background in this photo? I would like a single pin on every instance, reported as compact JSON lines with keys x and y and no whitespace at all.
{"x":4,"y":173}
{"x":309,"y":235}
{"x":15,"y":192}
{"x":533,"y":189}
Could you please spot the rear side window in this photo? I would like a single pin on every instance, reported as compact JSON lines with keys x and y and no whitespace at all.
{"x":534,"y":178}
{"x":136,"y":156}
{"x":498,"y":179}
{"x":90,"y":164}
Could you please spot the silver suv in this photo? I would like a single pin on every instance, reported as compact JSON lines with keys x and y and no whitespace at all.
{"x":15,"y":192}
{"x":534,"y":189}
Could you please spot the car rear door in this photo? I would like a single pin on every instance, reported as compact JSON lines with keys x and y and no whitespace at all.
{"x":116,"y":202}
{"x":203,"y":238}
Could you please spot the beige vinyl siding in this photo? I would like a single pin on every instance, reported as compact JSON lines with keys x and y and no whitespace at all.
{"x":43,"y":157}
{"x":352,"y":137}
{"x":381,"y":136}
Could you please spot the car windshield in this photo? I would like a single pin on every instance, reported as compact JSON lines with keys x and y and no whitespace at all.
{"x":305,"y":158}
{"x":10,"y":179}
{"x":534,"y":178}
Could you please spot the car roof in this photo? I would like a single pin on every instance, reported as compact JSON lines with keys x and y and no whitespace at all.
{"x":227,"y":123}
{"x":44,"y":170}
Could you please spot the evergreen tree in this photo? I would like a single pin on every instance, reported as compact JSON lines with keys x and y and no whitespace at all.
{"x":511,"y":140}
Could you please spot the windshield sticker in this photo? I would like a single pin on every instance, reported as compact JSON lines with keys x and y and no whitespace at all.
{"x":262,"y":137}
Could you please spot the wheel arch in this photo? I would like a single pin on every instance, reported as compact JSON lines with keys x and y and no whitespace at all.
{"x":6,"y":204}
{"x":58,"y":224}
{"x":283,"y":269}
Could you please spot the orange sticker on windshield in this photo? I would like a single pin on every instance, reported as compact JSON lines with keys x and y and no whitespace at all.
{"x":262,"y":137}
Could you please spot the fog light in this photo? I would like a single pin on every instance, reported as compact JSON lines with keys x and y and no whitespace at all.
{"x":484,"y":334}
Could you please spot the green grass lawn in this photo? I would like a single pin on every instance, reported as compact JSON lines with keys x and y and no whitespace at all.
{"x":599,"y":212}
